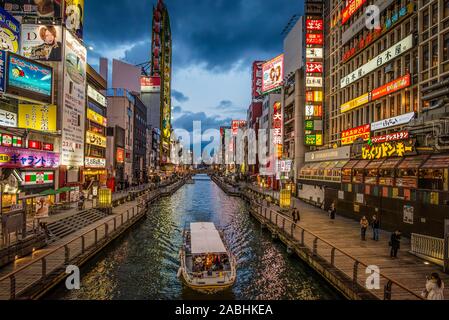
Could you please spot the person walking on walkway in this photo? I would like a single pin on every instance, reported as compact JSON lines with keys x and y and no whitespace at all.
{"x":376,"y":228}
{"x":364,"y":224}
{"x":333,"y":211}
{"x":395,"y":243}
{"x":434,"y":288}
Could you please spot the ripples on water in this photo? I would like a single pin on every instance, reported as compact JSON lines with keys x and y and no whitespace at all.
{"x":142,"y":265}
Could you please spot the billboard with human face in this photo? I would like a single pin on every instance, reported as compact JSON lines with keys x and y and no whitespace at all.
{"x":36,"y":8}
{"x":9,"y":32}
{"x":41,"y":42}
{"x":74,"y":16}
{"x":273,"y":74}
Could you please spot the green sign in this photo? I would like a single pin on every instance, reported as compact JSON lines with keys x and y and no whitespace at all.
{"x":310,"y":125}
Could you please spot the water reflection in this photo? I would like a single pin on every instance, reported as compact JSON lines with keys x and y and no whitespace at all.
{"x":143,"y":264}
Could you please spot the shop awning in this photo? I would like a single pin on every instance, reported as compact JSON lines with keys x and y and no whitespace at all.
{"x":391,"y":163}
{"x":362,"y":164}
{"x":375,"y":164}
{"x":309,"y":167}
{"x":341,"y":164}
{"x":351,"y":164}
{"x":413,"y":162}
{"x":437,"y":162}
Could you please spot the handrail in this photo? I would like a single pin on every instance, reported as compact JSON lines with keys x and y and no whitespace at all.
{"x":341,"y":251}
{"x":40,"y":259}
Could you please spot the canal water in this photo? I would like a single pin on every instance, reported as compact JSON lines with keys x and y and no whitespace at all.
{"x":143,"y":264}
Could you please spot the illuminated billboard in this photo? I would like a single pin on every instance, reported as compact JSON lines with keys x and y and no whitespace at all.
{"x":273,"y":74}
{"x":28,"y":79}
{"x":150,"y":84}
{"x":357,"y":102}
{"x":9,"y":32}
{"x":314,"y":24}
{"x":391,"y":87}
{"x":42,"y":42}
{"x":349,"y":136}
{"x":314,"y":53}
{"x":314,"y":39}
{"x":314,"y":67}
{"x":37,"y":117}
{"x":352,"y":7}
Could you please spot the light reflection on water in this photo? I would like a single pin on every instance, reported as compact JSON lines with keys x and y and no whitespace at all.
{"x":142,"y":265}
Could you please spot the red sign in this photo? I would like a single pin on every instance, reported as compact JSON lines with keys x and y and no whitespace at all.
{"x":236,"y":125}
{"x":120,"y":155}
{"x":314,"y":38}
{"x":391,"y":87}
{"x":314,"y":24}
{"x":150,"y":84}
{"x":352,"y":8}
{"x":362,"y":44}
{"x":48,"y":146}
{"x":277,"y":124}
{"x":36,"y":145}
{"x":314,"y":67}
{"x":349,"y":136}
{"x":404,"y":135}
{"x":257,"y":79}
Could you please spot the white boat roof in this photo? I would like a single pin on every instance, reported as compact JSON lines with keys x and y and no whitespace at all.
{"x":206,"y":239}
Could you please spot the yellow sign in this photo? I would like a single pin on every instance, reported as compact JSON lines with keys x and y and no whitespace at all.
{"x":97,"y":118}
{"x":386,"y":150}
{"x":95,"y":139}
{"x":357,"y":102}
{"x":37,"y":117}
{"x":319,"y":139}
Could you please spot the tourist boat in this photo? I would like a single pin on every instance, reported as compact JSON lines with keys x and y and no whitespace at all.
{"x":206,"y":265}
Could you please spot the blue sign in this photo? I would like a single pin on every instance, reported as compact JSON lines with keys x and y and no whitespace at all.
{"x":2,"y":70}
{"x":29,"y":79}
{"x":9,"y":32}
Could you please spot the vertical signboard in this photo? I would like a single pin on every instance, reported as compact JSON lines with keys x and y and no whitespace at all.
{"x":257,"y":80}
{"x":74,"y":16}
{"x":74,"y":101}
{"x":314,"y":73}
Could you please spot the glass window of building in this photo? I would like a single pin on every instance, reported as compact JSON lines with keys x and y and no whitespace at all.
{"x":446,"y":46}
{"x":425,"y":56}
{"x":446,"y":8}
{"x":425,"y":20}
{"x":435,"y":53}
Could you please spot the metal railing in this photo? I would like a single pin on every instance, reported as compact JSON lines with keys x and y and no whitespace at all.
{"x":427,"y":246}
{"x":352,"y":267}
{"x":53,"y":262}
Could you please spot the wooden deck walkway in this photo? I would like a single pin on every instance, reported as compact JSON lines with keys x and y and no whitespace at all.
{"x":344,"y":234}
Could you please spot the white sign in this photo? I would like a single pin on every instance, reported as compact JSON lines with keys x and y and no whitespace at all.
{"x":341,"y":195}
{"x":285,"y":166}
{"x":382,"y":59}
{"x":96,"y":96}
{"x":360,"y":198}
{"x":8,"y":119}
{"x":95,"y":162}
{"x":409,"y":213}
{"x":360,"y":24}
{"x":314,"y":82}
{"x":392,"y":122}
{"x":314,"y":53}
{"x":74,"y":103}
{"x":342,"y":153}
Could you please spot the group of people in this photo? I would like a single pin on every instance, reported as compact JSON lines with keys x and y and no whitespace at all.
{"x":375,"y":225}
{"x":210,"y":263}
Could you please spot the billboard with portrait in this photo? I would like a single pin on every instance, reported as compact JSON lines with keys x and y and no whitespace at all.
{"x":40,"y":42}
{"x":42,"y":8}
{"x":28,"y":79}
{"x":74,"y":113}
{"x":273,"y":74}
{"x":9,"y":32}
{"x":74,"y":16}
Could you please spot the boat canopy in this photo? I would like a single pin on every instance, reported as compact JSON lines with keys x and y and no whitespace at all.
{"x":205,"y":239}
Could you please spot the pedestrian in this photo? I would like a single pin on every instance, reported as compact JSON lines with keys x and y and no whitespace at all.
{"x":298,"y":216}
{"x":395,"y":243}
{"x":376,"y":228}
{"x":333,"y":211}
{"x":364,"y":224}
{"x":434,"y":288}
{"x":294,"y":215}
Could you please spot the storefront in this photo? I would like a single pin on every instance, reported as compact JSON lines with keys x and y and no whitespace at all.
{"x":408,"y":171}
{"x":433,"y":175}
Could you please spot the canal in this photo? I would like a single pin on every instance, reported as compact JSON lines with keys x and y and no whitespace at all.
{"x":143,"y":264}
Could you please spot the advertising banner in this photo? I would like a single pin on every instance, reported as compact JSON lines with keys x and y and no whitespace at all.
{"x":97,"y":118}
{"x":150,"y":84}
{"x":403,"y":135}
{"x":95,"y":162}
{"x":314,"y":111}
{"x":382,"y":59}
{"x":74,"y":16}
{"x":2,"y":71}
{"x":314,"y":96}
{"x":25,"y":158}
{"x":120,"y":157}
{"x":9,"y":32}
{"x":343,"y":153}
{"x":33,"y":178}
{"x":314,"y":39}
{"x":314,"y":25}
{"x":314,"y":82}
{"x":95,"y":139}
{"x":8,"y":119}
{"x":96,"y":96}
{"x":387,"y":150}
{"x":314,"y":67}
{"x":29,"y":80}
{"x":349,"y":136}
{"x":37,"y":117}
{"x":257,"y":79}
{"x":391,"y":87}
{"x":357,"y":102}
{"x":392,"y":122}
{"x":236,"y":125}
{"x":42,"y":42}
{"x":314,"y":53}
{"x":47,"y":8}
{"x":74,"y":102}
{"x":273,"y":74}
{"x":352,"y":7}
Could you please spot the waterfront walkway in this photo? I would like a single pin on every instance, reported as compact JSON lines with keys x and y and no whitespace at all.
{"x":344,"y":234}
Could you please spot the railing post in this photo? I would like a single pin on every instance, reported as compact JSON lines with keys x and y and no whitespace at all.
{"x":292,"y":230}
{"x":115,"y":223}
{"x":283,"y":223}
{"x":127,"y":216}
{"x":315,"y":246}
{"x":96,"y":236}
{"x":333,"y":257}
{"x":388,"y":290}
{"x":12,"y":292}
{"x":67,"y":254}
{"x":121,"y":216}
{"x":106,"y":229}
{"x":83,"y":244}
{"x":356,"y":272}
{"x":277,"y":219}
{"x":302,"y":236}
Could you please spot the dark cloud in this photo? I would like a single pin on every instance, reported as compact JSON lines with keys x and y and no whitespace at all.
{"x":177,"y":110}
{"x":179,"y":96}
{"x":207,"y":122}
{"x":216,"y":33}
{"x":224,"y":104}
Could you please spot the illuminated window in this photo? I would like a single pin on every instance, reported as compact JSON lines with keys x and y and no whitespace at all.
{"x":425,"y":20}
{"x":446,"y":46}
{"x":434,"y":53}
{"x":435,"y":13}
{"x":446,"y":8}
{"x":425,"y":55}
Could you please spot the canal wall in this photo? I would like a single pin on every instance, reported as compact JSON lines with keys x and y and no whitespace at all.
{"x":43,"y":273}
{"x":344,"y":272}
